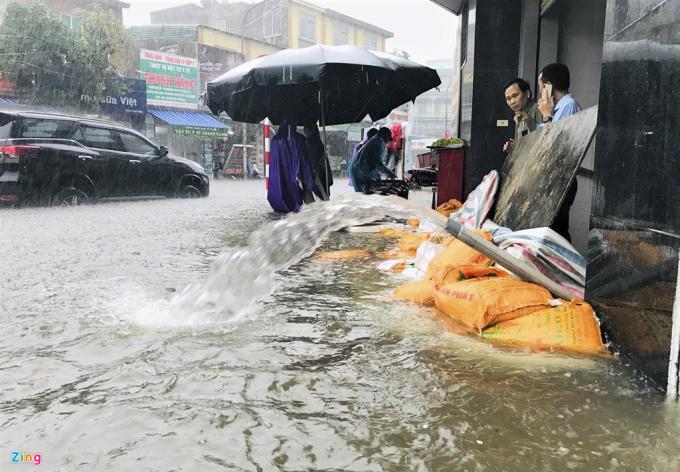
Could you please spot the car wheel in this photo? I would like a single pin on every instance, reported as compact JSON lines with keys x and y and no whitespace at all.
{"x":190,"y":191}
{"x":70,"y":196}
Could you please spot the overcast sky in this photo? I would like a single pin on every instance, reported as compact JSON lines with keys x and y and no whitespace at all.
{"x":423,"y":29}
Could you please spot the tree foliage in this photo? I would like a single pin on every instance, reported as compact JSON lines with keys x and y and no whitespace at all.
{"x":52,"y":64}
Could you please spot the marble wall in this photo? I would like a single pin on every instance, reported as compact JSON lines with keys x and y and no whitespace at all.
{"x":634,"y":232}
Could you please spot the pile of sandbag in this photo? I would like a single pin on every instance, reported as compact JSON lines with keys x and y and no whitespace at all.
{"x":464,"y":285}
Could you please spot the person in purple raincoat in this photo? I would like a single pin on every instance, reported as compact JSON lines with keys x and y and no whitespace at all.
{"x":288,"y":170}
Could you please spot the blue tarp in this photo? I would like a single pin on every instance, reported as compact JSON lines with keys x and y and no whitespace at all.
{"x":187,"y":118}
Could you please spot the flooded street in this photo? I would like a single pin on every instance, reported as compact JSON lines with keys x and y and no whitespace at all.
{"x":326,"y":373}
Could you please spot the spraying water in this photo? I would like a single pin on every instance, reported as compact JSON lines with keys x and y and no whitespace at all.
{"x":239,"y":277}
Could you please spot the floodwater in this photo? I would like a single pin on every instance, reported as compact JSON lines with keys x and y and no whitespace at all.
{"x":326,"y":372}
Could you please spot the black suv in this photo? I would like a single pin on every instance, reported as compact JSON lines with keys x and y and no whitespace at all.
{"x":65,"y":160}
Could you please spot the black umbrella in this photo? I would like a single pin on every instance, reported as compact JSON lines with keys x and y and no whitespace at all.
{"x":330,"y":84}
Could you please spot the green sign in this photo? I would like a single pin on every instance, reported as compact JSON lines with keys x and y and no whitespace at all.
{"x":171,"y":81}
{"x":200,"y":131}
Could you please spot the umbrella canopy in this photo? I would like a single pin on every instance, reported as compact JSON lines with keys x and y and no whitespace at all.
{"x":330,"y":84}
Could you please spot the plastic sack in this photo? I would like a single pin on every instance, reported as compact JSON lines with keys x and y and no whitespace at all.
{"x":479,"y":202}
{"x":425,"y":253}
{"x":345,"y":255}
{"x":392,"y":265}
{"x":570,"y":327}
{"x":416,"y":292}
{"x":457,"y":253}
{"x":481,"y":302}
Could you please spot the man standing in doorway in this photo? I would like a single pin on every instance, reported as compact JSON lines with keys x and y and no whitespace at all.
{"x":527,"y":116}
{"x":556,"y":103}
{"x":559,"y":104}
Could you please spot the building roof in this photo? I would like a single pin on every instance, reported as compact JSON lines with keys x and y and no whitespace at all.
{"x":454,"y":6}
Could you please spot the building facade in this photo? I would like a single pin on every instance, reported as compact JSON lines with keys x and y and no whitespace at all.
{"x":282,"y":23}
{"x":623,"y":56}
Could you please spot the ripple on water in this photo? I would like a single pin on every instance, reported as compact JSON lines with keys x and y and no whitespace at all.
{"x":323,"y":372}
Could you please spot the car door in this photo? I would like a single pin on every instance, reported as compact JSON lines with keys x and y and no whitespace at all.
{"x":155,"y":171}
{"x":122,"y":173}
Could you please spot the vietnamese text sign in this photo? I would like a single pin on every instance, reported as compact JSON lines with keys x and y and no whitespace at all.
{"x":171,"y":81}
{"x":200,"y":131}
{"x":122,"y":96}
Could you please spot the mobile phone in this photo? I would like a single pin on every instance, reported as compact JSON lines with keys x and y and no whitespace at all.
{"x":548,"y":88}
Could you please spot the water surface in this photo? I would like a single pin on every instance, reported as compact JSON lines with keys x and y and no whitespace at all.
{"x":327,"y":372}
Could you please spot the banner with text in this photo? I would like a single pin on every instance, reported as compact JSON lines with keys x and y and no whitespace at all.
{"x":171,"y":81}
{"x":200,"y":131}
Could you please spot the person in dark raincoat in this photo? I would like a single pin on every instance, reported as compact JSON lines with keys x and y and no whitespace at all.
{"x":369,"y":134}
{"x":314,"y":152}
{"x":369,"y":160}
{"x":288,"y":169}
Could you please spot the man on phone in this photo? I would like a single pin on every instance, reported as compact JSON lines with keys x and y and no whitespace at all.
{"x":527,"y":116}
{"x":555,"y":104}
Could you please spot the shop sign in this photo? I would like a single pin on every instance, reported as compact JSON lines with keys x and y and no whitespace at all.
{"x":171,"y":81}
{"x":200,"y":131}
{"x":122,"y":96}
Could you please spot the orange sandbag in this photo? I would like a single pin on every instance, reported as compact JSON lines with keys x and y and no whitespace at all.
{"x":449,"y":207}
{"x":389,"y":254}
{"x":457,"y":253}
{"x":409,"y":243}
{"x":571,"y":327}
{"x":413,"y":222}
{"x":481,"y":302}
{"x":346,"y":255}
{"x":416,"y":292}
{"x":451,"y":273}
{"x":399,"y":267}
{"x":393,"y":233}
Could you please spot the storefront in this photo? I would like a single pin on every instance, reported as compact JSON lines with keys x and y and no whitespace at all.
{"x":193,"y":135}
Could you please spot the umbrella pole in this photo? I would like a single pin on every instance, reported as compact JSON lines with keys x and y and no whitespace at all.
{"x":326,"y":164}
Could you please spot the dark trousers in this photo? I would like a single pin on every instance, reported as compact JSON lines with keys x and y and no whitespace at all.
{"x":561,"y":223}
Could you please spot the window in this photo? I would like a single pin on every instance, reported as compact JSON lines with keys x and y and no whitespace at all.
{"x":308,"y":28}
{"x":5,"y":129}
{"x":99,"y":138}
{"x":135,"y":144}
{"x":370,"y":42}
{"x":340,"y":34}
{"x":73,"y":22}
{"x":50,"y":129}
{"x":272,"y":23}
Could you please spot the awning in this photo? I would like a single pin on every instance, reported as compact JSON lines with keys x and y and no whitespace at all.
{"x":8,"y":101}
{"x":187,"y":123}
{"x":454,"y":6}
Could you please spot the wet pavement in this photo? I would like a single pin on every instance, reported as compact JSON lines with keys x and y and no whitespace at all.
{"x":326,"y":373}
